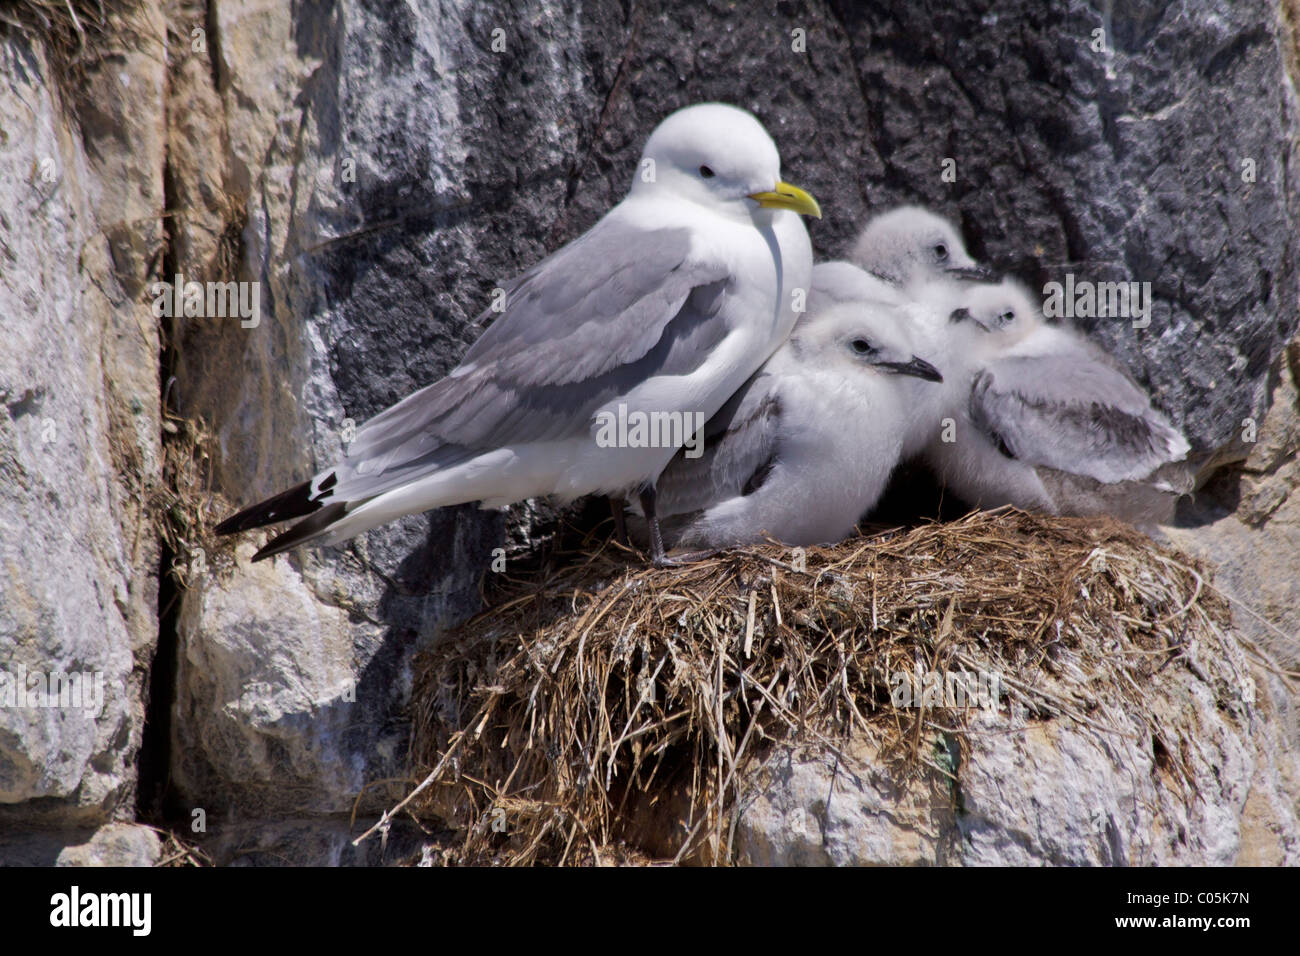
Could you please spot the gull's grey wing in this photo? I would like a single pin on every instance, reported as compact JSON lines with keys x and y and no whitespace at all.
{"x":740,"y":447}
{"x":616,"y":306}
{"x":1074,"y":414}
{"x":600,"y":302}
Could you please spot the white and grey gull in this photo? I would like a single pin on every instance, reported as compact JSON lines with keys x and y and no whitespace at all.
{"x":665,"y":307}
{"x":1046,"y":420}
{"x":807,"y":446}
{"x":1031,"y":414}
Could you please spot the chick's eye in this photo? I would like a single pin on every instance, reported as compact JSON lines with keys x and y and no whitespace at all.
{"x":1007,"y":317}
{"x":941,"y":252}
{"x":861,"y":346}
{"x":706,"y":172}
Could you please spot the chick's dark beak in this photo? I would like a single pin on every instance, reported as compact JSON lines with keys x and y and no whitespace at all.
{"x":917,"y":367}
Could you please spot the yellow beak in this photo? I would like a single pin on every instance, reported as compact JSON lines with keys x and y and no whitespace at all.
{"x":789,"y":197}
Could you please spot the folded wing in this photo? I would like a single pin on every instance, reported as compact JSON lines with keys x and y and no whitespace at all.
{"x":613,"y":308}
{"x":740,"y":446}
{"x":1075,"y":414}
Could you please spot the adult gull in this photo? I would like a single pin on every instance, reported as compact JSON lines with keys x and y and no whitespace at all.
{"x":664,"y":308}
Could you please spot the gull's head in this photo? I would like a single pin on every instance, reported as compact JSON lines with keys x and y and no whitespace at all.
{"x":720,"y":157}
{"x":997,"y":316}
{"x":910,"y":243}
{"x":861,"y":342}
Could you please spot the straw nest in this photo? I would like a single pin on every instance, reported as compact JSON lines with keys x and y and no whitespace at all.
{"x":591,"y":698}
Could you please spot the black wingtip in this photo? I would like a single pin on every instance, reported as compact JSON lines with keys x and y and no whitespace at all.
{"x":303,"y":531}
{"x":294,"y":503}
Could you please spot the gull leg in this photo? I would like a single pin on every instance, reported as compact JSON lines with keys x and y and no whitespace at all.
{"x":616,"y":505}
{"x":657,"y":556}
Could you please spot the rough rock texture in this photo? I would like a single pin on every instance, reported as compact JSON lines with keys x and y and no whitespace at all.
{"x":326,"y":841}
{"x":298,"y":722}
{"x":392,"y":168}
{"x":378,"y":167}
{"x":113,"y":844}
{"x":81,"y":195}
{"x":1246,"y":523}
{"x":117,"y":844}
{"x":1049,"y":792}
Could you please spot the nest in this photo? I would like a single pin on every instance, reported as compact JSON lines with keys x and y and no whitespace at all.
{"x":552,"y":727}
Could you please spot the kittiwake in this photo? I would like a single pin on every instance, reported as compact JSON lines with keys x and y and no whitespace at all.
{"x":911,"y":248}
{"x":660,"y":312}
{"x":919,"y":261}
{"x":806,"y":448}
{"x":1046,"y":420}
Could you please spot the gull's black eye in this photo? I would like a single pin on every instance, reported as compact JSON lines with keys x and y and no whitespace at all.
{"x":861,"y":346}
{"x":706,"y":172}
{"x":941,"y":252}
{"x":1006,"y":318}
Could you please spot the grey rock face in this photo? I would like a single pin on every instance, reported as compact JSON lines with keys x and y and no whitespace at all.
{"x":79,"y":435}
{"x":118,"y":844}
{"x":395,"y":168}
{"x":1247,"y":525}
{"x":1050,"y":793}
{"x":379,"y":166}
{"x":1125,"y":164}
{"x":113,"y":844}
